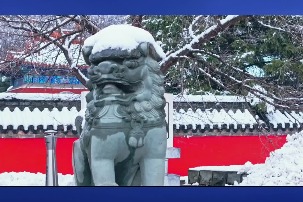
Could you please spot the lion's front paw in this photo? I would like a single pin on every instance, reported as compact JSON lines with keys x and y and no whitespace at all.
{"x":136,"y":138}
{"x":133,"y":142}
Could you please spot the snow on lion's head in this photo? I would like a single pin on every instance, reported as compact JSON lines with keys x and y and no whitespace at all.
{"x":125,"y":70}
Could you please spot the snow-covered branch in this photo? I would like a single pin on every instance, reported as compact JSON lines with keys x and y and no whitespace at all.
{"x":203,"y":37}
{"x":190,"y":28}
{"x":265,"y":96}
{"x":271,"y":27}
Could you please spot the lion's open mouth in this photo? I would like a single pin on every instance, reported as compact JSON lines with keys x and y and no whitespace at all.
{"x":115,"y":86}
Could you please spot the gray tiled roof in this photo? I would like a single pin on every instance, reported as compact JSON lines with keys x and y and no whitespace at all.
{"x":191,"y":113}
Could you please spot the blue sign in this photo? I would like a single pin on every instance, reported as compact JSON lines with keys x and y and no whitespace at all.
{"x":49,"y":79}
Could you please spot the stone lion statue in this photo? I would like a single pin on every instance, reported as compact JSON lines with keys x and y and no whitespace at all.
{"x":123,"y":141}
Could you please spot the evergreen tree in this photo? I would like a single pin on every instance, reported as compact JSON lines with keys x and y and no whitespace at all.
{"x":261,"y":49}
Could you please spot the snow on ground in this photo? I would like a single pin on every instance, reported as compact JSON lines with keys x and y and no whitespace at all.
{"x":32,"y":179}
{"x":284,"y":167}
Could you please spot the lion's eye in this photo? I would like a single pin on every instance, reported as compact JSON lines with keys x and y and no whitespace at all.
{"x":97,"y":70}
{"x":131,"y":63}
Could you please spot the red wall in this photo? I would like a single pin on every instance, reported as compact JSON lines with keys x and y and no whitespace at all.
{"x":222,"y":150}
{"x":29,"y":154}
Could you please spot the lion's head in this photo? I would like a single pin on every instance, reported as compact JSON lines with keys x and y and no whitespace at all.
{"x":131,"y":78}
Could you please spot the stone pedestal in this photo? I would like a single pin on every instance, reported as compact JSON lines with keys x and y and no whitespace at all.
{"x":171,"y":179}
{"x":215,"y":175}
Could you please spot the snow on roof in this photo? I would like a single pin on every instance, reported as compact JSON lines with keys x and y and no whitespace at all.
{"x":208,"y":117}
{"x":208,"y":98}
{"x":277,"y":117}
{"x":200,"y":117}
{"x":298,"y":116}
{"x":36,"y":117}
{"x":39,"y":96}
{"x":124,"y":37}
{"x":177,"y":98}
{"x":212,"y":117}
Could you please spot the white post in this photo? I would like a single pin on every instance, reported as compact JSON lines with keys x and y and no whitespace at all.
{"x":169,"y":118}
{"x":83,"y":99}
{"x":83,"y":105}
{"x":171,"y":152}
